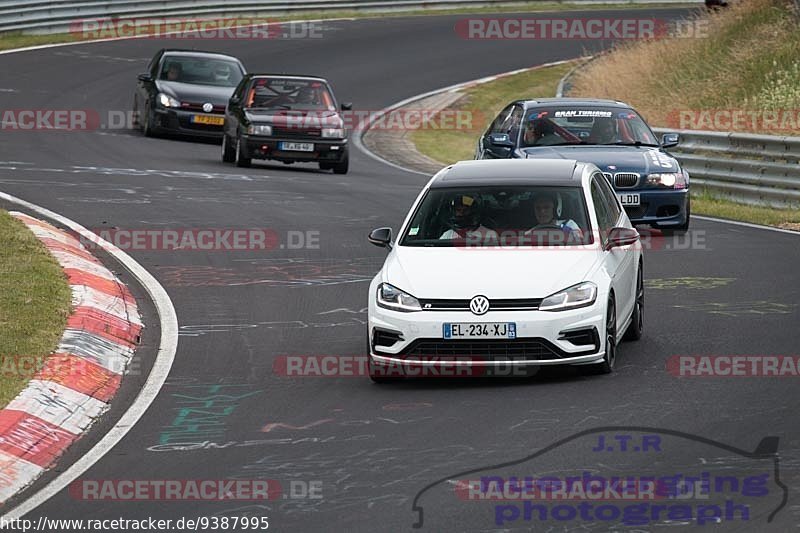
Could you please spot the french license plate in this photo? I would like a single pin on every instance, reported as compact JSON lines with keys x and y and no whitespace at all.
{"x":296,"y":147}
{"x":208,"y":119}
{"x":487,"y":330}
{"x":629,"y":198}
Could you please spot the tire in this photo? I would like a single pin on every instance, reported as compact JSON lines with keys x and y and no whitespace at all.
{"x":228,"y":152}
{"x":148,"y":126}
{"x":343,"y":166}
{"x":376,"y":374}
{"x":610,"y":357}
{"x":635,"y":328}
{"x":326,"y":166}
{"x":241,"y":160}
{"x":135,"y":114}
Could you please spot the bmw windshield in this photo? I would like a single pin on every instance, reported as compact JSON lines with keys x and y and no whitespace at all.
{"x":500,"y":216}
{"x":556,"y":126}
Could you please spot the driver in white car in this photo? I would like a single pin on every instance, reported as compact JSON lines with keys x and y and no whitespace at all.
{"x":544,"y":207}
{"x":465,"y":221}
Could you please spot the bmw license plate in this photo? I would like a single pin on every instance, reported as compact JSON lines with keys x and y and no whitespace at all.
{"x":487,"y":330}
{"x":629,"y":198}
{"x":208,"y":119}
{"x":296,"y":147}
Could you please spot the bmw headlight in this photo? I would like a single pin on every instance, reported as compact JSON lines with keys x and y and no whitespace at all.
{"x":670,"y":180}
{"x":259,"y":129}
{"x":580,"y":295}
{"x":390,"y":297}
{"x":167,"y":101}
{"x":332,"y":133}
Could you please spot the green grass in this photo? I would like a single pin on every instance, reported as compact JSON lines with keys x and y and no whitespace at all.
{"x":708,"y":205}
{"x":484,"y":102}
{"x":35,"y":301}
{"x":747,"y":59}
{"x":20,"y":40}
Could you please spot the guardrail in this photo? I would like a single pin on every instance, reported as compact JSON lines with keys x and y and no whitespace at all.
{"x":754,"y":169}
{"x":37,"y":16}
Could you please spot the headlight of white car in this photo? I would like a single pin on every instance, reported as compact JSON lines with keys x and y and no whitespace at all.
{"x":580,"y":295}
{"x":390,"y":297}
{"x":259,"y":129}
{"x":167,"y":101}
{"x":332,"y":133}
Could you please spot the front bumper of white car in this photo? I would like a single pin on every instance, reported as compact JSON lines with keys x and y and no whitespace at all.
{"x":542,"y":338}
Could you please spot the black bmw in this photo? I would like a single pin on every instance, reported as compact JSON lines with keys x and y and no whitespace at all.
{"x":650,"y":183}
{"x":185,"y":91}
{"x":285,"y":118}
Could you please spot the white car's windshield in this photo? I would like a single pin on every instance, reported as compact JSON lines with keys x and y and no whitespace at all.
{"x":500,"y":216}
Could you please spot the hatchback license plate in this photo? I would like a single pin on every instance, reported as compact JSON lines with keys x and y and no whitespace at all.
{"x":296,"y":147}
{"x":487,"y":330}
{"x":208,"y":119}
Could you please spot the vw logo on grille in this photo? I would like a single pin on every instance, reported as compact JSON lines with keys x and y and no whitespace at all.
{"x":207,"y":107}
{"x":479,"y":305}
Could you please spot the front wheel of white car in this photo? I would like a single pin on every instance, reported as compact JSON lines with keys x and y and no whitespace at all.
{"x":606,"y":366}
{"x":634,"y":331}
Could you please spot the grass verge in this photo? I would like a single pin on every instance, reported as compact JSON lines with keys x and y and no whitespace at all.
{"x":705,"y":204}
{"x":13,"y":40}
{"x":35,"y":302}
{"x":745,"y":59}
{"x":483,"y":103}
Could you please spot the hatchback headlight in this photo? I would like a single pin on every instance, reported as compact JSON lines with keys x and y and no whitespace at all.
{"x":168,"y":101}
{"x":332,"y":133}
{"x":669,"y":180}
{"x":580,"y":295}
{"x":390,"y":297}
{"x":259,"y":129}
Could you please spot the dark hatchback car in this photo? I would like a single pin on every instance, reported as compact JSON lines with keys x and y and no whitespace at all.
{"x":650,"y":183}
{"x":285,"y":118}
{"x":185,"y":92}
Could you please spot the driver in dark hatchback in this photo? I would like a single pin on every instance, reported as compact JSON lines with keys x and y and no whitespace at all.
{"x":650,"y":183}
{"x":285,"y":118}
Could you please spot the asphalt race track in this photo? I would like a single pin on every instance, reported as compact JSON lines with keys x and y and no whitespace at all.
{"x":721,"y":290}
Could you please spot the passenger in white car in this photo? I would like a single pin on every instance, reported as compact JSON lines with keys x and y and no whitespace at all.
{"x":465,"y":221}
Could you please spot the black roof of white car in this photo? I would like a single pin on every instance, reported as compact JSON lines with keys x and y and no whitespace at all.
{"x":552,"y":172}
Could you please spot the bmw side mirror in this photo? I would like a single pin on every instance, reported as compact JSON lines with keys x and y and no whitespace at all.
{"x":621,"y":237}
{"x":381,"y":237}
{"x":346,"y":106}
{"x":502,"y":140}
{"x":144,"y":77}
{"x":668,"y":140}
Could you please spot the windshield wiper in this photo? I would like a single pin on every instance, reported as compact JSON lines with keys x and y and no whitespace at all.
{"x":622,"y":143}
{"x":278,"y":106}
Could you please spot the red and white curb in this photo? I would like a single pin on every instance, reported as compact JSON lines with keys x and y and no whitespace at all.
{"x":77,"y":382}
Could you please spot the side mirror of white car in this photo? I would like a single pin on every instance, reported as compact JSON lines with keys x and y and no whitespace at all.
{"x":620,"y":236}
{"x":381,"y":237}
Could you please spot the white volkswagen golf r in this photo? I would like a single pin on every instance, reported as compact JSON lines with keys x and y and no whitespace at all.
{"x":506,"y":264}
